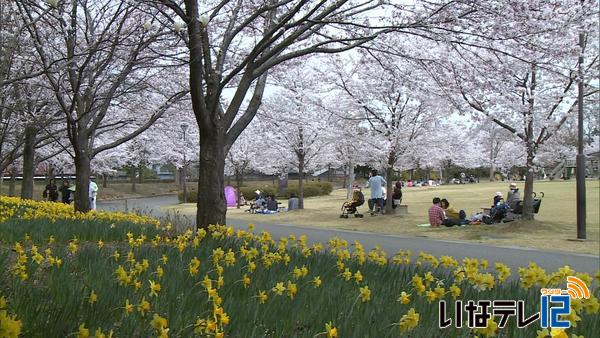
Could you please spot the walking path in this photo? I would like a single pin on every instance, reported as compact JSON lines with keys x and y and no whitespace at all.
{"x":514,"y":257}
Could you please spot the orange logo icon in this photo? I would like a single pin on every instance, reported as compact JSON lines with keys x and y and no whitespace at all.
{"x":576,"y":288}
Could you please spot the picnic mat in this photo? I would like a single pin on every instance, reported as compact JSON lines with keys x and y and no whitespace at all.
{"x":424,"y":225}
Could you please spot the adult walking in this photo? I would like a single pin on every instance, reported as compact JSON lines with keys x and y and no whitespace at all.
{"x":51,"y":191}
{"x":65,"y":191}
{"x":376,"y":183}
{"x":93,"y":192}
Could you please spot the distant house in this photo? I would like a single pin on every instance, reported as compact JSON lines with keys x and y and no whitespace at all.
{"x":164,"y":172}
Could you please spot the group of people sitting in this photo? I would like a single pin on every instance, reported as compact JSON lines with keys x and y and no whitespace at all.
{"x":441,"y":213}
{"x":500,"y":207}
{"x":378,"y":199}
{"x":268,"y":204}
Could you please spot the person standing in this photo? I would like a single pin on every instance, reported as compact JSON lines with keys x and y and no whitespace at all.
{"x":51,"y":191}
{"x":93,"y":192}
{"x":436,"y":214}
{"x":65,"y":192}
{"x":376,"y":183}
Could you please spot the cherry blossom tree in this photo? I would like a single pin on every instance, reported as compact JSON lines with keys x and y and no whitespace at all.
{"x":525,"y":79}
{"x":298,"y":128}
{"x":384,"y":95}
{"x":234,"y":44}
{"x":98,"y":58}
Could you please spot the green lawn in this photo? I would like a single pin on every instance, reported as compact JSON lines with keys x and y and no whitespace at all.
{"x":552,"y":229}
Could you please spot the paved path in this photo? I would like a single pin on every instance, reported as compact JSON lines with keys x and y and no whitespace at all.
{"x":513,"y":256}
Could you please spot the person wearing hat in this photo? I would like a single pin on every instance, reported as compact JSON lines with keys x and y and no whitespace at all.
{"x":498,"y":198}
{"x":514,"y":196}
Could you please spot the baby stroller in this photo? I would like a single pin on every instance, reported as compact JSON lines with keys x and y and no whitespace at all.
{"x":350,"y":207}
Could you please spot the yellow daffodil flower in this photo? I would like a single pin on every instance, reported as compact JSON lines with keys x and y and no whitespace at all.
{"x":365,"y":293}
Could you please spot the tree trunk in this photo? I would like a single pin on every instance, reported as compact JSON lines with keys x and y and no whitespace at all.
{"x":51,"y":174}
{"x":492,"y":172}
{"x":345,"y":184}
{"x":132,"y":178}
{"x":492,"y":165}
{"x":82,"y":182}
{"x":141,"y":174}
{"x":301,"y":181}
{"x":1,"y":181}
{"x":211,"y":205}
{"x":239,"y":178}
{"x":104,"y":181}
{"x":12,"y":183}
{"x":178,"y":178}
{"x":283,"y":183}
{"x":329,"y":174}
{"x":389,"y":172}
{"x":349,"y":179}
{"x":528,"y":193}
{"x":28,"y":163}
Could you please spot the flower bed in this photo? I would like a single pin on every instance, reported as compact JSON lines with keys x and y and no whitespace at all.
{"x":142,"y":279}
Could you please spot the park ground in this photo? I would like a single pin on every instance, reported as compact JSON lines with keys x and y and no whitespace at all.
{"x":553,"y":229}
{"x":114,"y":190}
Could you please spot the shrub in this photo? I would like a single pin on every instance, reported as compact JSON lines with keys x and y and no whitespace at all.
{"x":266,"y":189}
{"x":311,"y":189}
{"x":326,"y":187}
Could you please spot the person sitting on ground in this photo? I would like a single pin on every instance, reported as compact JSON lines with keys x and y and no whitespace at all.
{"x":453,"y":216}
{"x":397,"y":195}
{"x":514,"y":196}
{"x":436,"y":214}
{"x":271,"y":203}
{"x":293,"y":202}
{"x":259,"y":202}
{"x":498,"y":198}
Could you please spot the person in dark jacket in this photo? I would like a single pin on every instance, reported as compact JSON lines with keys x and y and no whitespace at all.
{"x":51,"y":191}
{"x":271,"y":203}
{"x":397,"y":195}
{"x":65,"y":192}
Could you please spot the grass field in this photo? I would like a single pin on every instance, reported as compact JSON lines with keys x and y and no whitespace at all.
{"x":554,"y":227}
